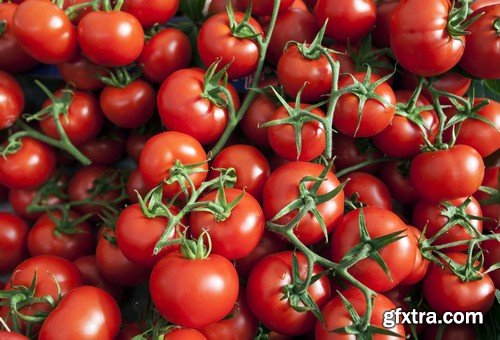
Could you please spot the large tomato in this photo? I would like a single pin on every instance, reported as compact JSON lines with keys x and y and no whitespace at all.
{"x":367,"y":189}
{"x":150,"y":12}
{"x":13,"y":236}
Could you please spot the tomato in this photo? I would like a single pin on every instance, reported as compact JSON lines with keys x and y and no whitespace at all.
{"x":349,"y":152}
{"x":162,"y":151}
{"x":491,"y":251}
{"x":252,"y":168}
{"x":71,"y":317}
{"x":107,"y":149}
{"x":291,"y":25}
{"x":450,"y":332}
{"x":429,"y":215}
{"x":11,"y":99}
{"x":395,"y":176}
{"x":480,"y":135}
{"x":380,"y":33}
{"x":482,"y":47}
{"x":91,"y":276}
{"x":367,"y":189}
{"x":81,"y":73}
{"x":234,"y":236}
{"x":13,"y":236}
{"x":150,"y":12}
{"x":82,"y":123}
{"x":135,"y":143}
{"x":135,"y":182}
{"x":447,"y":174}
{"x":259,"y":112}
{"x":129,"y":331}
{"x":183,"y":108}
{"x":115,"y":267}
{"x":219,"y":6}
{"x":166,"y":52}
{"x":490,"y":210}
{"x":130,"y":106}
{"x":282,"y":188}
{"x":6,"y":335}
{"x":184,"y":334}
{"x":265,"y":7}
{"x":48,"y":237}
{"x":416,"y":33}
{"x":477,"y":4}
{"x":110,"y":39}
{"x":12,"y":56}
{"x":420,"y":266}
{"x":268,"y":302}
{"x":216,"y":41}
{"x":379,"y":222}
{"x":445,"y":292}
{"x":3,"y":193}
{"x":403,"y":138}
{"x":375,"y":115}
{"x":349,"y":20}
{"x":214,"y":280}
{"x":337,"y":316}
{"x":29,"y":167}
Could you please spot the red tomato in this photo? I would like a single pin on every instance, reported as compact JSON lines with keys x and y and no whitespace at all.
{"x":184,"y":334}
{"x":71,"y":317}
{"x":420,"y":266}
{"x":367,"y":189}
{"x":375,"y":115}
{"x":350,"y":151}
{"x":396,"y":177}
{"x":8,"y":335}
{"x":165,"y":53}
{"x":216,"y":41}
{"x":380,"y":33}
{"x":107,"y":149}
{"x":220,"y":6}
{"x":282,"y":188}
{"x":130,"y":106}
{"x":82,"y":123}
{"x":13,"y":237}
{"x":447,"y":174}
{"x":183,"y":108}
{"x":265,"y":7}
{"x":29,"y":167}
{"x":162,"y":151}
{"x":81,"y":73}
{"x":491,"y":251}
{"x":150,"y":12}
{"x":490,"y":210}
{"x":445,"y":292}
{"x":44,"y":31}
{"x":11,"y":98}
{"x":130,"y":331}
{"x":349,"y":20}
{"x":379,"y":222}
{"x":259,"y":112}
{"x":266,"y":297}
{"x":135,"y":143}
{"x":214,"y":279}
{"x":110,"y":39}
{"x":136,"y":182}
{"x":420,"y":39}
{"x":92,"y":277}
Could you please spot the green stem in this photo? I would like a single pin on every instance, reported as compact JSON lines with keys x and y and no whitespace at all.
{"x":361,"y":165}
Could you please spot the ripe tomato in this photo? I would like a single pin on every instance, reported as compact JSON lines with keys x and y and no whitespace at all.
{"x":268,"y":302}
{"x":183,"y":108}
{"x":135,"y":143}
{"x":264,"y":7}
{"x":380,"y":33}
{"x":447,"y":174}
{"x":92,"y":277}
{"x":368,"y":190}
{"x":129,"y":331}
{"x":337,"y":316}
{"x":135,"y":182}
{"x":130,"y":106}
{"x":395,"y":177}
{"x":375,"y":115}
{"x":220,"y":6}
{"x":379,"y":222}
{"x":162,"y":151}
{"x":282,"y":188}
{"x":29,"y":167}
{"x":491,"y":251}
{"x":110,"y":39}
{"x":234,"y":236}
{"x":81,"y":73}
{"x":13,"y":236}
{"x":83,"y":122}
{"x":71,"y":317}
{"x":490,"y":210}
{"x":166,"y":52}
{"x":11,"y":99}
{"x":214,"y":280}
{"x":446,"y":292}
{"x":420,"y":28}
{"x":184,"y":334}
{"x":349,"y":20}
{"x":420,"y":266}
{"x":259,"y":112}
{"x":107,"y":149}
{"x":350,"y":151}
{"x":6,"y":335}
{"x":216,"y":41}
{"x":150,"y":12}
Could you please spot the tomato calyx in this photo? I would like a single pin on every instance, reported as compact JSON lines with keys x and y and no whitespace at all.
{"x":242,"y":30}
{"x":352,"y":203}
{"x":51,"y":188}
{"x":365,"y":56}
{"x":196,"y":249}
{"x":3,"y":27}
{"x":458,"y":20}
{"x":120,"y":77}
{"x":496,"y":26}
{"x":467,"y":109}
{"x":214,"y":87}
{"x":74,"y":11}
{"x":314,"y":50}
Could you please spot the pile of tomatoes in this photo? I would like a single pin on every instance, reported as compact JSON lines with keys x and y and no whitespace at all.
{"x":248,"y":169}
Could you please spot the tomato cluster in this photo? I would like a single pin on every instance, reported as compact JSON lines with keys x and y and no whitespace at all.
{"x":213,"y":169}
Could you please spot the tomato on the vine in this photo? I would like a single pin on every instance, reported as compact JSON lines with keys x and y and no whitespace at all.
{"x":150,"y":12}
{"x":13,"y":238}
{"x":11,"y":100}
{"x":367,"y":189}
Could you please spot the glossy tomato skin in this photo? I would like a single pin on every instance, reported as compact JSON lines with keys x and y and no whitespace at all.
{"x":376,"y":116}
{"x":420,"y":266}
{"x":11,"y":99}
{"x":5,"y":335}
{"x":447,"y":174}
{"x":396,"y":177}
{"x":259,"y":112}
{"x":368,"y":190}
{"x":81,"y":73}
{"x":151,"y":12}
{"x":73,"y":313}
{"x":264,"y":7}
{"x":265,"y":293}
{"x":13,"y":238}
{"x":162,"y":151}
{"x":129,"y":107}
{"x":31,"y":166}
{"x":445,"y":292}
{"x":337,"y":316}
{"x":379,"y":222}
{"x":83,"y":122}
{"x":420,"y":40}
{"x":282,"y":187}
{"x":44,"y":31}
{"x":110,"y":39}
{"x":182,"y":107}
{"x":482,"y":47}
{"x":166,"y":52}
{"x":347,"y":19}
{"x":184,"y":334}
{"x":350,"y":151}
{"x":175,"y":278}
{"x":215,"y":40}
